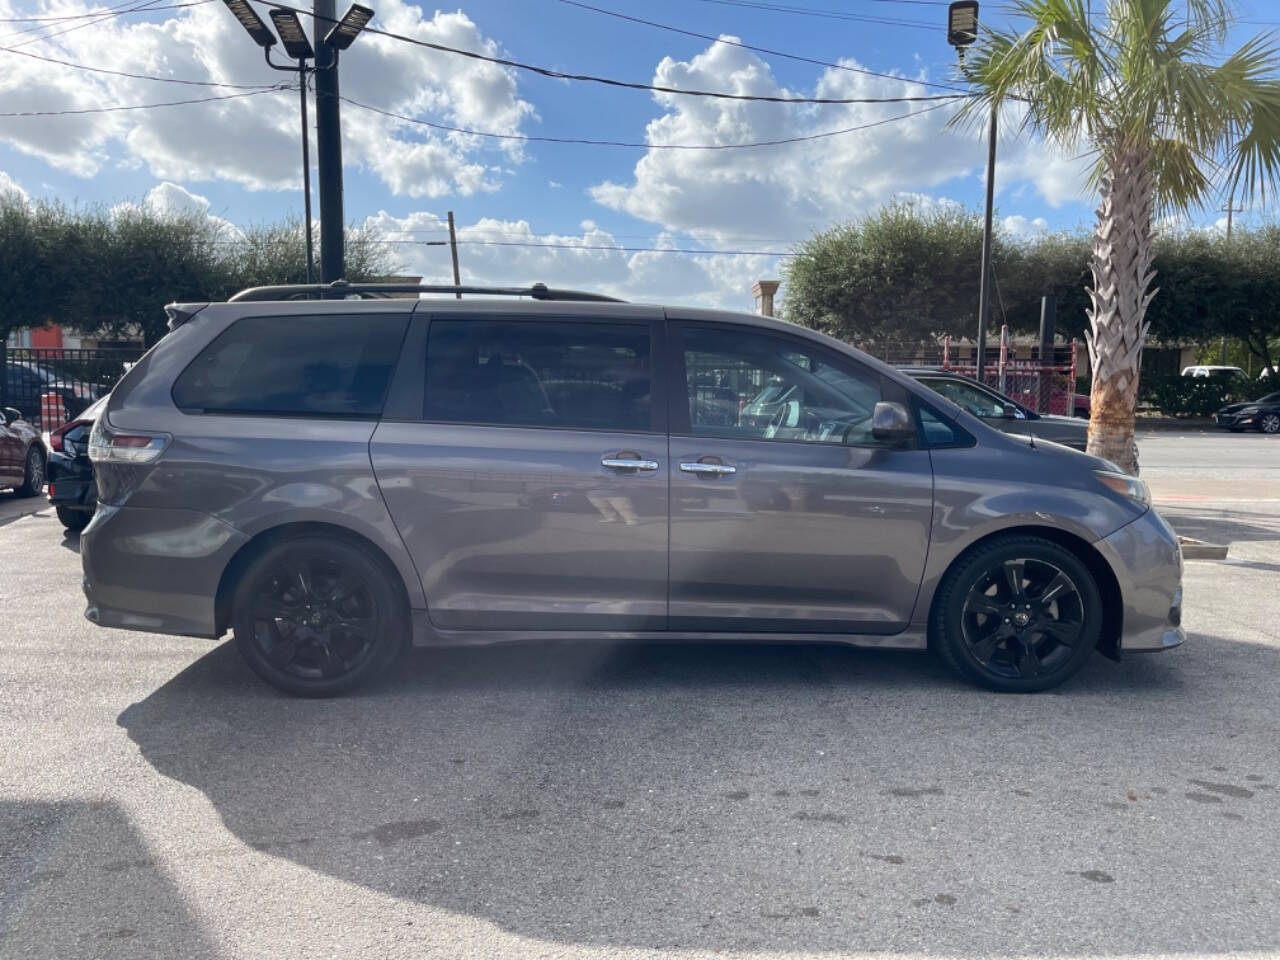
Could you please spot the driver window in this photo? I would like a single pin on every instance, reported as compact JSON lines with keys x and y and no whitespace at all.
{"x":755,"y":386}
{"x":975,"y":401}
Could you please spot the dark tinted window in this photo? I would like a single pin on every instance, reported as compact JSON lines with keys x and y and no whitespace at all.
{"x":937,"y":433}
{"x":759,"y":387}
{"x":539,"y":373}
{"x":310,"y":366}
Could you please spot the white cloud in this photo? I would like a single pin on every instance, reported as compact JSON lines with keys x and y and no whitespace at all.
{"x":1020,"y":228}
{"x":788,"y":191}
{"x":254,"y":141}
{"x":513,"y":254}
{"x":10,"y":185}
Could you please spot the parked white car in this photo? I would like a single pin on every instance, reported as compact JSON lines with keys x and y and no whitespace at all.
{"x":1216,"y":372}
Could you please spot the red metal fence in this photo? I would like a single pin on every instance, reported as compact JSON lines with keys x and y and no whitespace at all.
{"x":1042,"y":387}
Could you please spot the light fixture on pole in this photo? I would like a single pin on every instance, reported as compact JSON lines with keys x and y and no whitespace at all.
{"x":252,"y":23}
{"x":294,"y":38}
{"x":298,"y":47}
{"x":962,"y":32}
{"x":348,"y":28}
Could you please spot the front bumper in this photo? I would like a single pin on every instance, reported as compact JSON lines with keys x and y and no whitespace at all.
{"x":1233,"y":421}
{"x":155,"y":570}
{"x":1147,"y":562}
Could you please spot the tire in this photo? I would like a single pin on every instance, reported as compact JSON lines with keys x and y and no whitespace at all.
{"x":991,"y":635}
{"x":73,"y":520}
{"x":1269,"y":423}
{"x":32,"y":474}
{"x":317,"y":616}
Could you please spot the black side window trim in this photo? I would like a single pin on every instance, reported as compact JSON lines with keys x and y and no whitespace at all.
{"x":290,"y":414}
{"x":962,"y":436}
{"x":405,"y":413}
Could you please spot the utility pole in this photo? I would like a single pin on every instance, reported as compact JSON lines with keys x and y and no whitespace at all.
{"x":1231,"y":210}
{"x":453,"y":249}
{"x":328,"y":146}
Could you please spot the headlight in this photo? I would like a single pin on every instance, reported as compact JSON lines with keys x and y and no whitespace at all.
{"x":1125,"y":485}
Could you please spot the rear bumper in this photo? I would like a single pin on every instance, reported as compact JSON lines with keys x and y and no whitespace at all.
{"x":69,"y":486}
{"x":1147,"y":562}
{"x":155,"y":570}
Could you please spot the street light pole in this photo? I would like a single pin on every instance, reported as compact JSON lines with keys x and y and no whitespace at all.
{"x":962,"y":32}
{"x":328,"y":145}
{"x":984,"y":285}
{"x":306,"y":171}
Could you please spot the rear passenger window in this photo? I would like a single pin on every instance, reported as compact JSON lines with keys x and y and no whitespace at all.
{"x":328,"y":366}
{"x":593,"y":376}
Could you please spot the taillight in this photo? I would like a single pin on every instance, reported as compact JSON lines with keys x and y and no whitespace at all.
{"x":107,"y":446}
{"x":55,"y":438}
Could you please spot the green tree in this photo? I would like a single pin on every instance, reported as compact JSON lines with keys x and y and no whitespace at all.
{"x":902,"y":275}
{"x":1169,"y":121}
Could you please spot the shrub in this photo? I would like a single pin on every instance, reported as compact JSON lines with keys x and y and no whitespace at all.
{"x":1178,"y":396}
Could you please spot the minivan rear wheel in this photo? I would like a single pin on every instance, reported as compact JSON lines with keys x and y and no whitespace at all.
{"x":317,"y":616}
{"x":1018,"y":614}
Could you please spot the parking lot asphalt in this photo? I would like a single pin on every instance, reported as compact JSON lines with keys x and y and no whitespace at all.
{"x":156,"y":800}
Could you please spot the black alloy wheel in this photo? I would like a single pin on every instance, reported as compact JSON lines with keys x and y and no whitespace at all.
{"x":317,"y":616}
{"x":32,"y":474}
{"x":1269,"y":423}
{"x":1020,"y":614}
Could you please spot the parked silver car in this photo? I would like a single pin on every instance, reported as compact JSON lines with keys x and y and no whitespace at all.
{"x":333,"y":479}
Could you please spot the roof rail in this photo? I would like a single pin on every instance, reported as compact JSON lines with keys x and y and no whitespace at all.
{"x":341,"y":289}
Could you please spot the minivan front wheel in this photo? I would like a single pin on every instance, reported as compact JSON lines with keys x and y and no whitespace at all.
{"x":316,"y":616}
{"x":1018,"y":614}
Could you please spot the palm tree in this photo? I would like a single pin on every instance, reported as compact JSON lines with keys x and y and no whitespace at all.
{"x":1169,"y":122}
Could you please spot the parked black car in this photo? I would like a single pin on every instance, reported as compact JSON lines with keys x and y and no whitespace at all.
{"x":1261,"y":415}
{"x":1001,"y":412}
{"x":27,"y":382}
{"x":72,"y":489}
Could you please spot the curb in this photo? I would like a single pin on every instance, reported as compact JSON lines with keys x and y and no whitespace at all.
{"x":1199,"y":550}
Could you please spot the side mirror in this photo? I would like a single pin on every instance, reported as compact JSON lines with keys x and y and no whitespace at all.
{"x":890,"y":421}
{"x":1008,"y":411}
{"x":11,"y":414}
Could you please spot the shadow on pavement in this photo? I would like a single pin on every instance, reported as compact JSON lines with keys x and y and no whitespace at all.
{"x":56,"y":903}
{"x":1222,"y":525}
{"x":774,"y":797}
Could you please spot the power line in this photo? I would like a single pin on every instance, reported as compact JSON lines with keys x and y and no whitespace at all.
{"x":764,"y":50}
{"x":140,"y":76}
{"x":141,"y":8}
{"x":688,"y":251}
{"x":825,"y":14}
{"x":611,"y":82}
{"x":95,"y":13}
{"x":145,"y":106}
{"x":639,"y":144}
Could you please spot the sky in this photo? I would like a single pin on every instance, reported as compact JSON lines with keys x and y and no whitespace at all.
{"x":639,"y":221}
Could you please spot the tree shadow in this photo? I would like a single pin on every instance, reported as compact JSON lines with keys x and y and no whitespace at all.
{"x":789,"y":798}
{"x":1222,"y":525}
{"x":54,"y":903}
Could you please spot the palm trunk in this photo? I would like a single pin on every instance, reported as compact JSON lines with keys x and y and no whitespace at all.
{"x":1122,"y":275}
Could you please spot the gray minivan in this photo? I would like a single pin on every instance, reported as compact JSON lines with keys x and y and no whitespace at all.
{"x":335,"y":478}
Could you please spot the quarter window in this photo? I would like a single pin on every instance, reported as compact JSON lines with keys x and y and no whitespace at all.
{"x":573,"y":375}
{"x":330,"y":366}
{"x":760,"y":387}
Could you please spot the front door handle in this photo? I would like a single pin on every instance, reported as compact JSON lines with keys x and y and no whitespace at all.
{"x":628,"y":463}
{"x":709,"y":469}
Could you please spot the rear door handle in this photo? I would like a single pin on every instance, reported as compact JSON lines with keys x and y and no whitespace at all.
{"x":628,"y":463}
{"x":709,"y":469}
